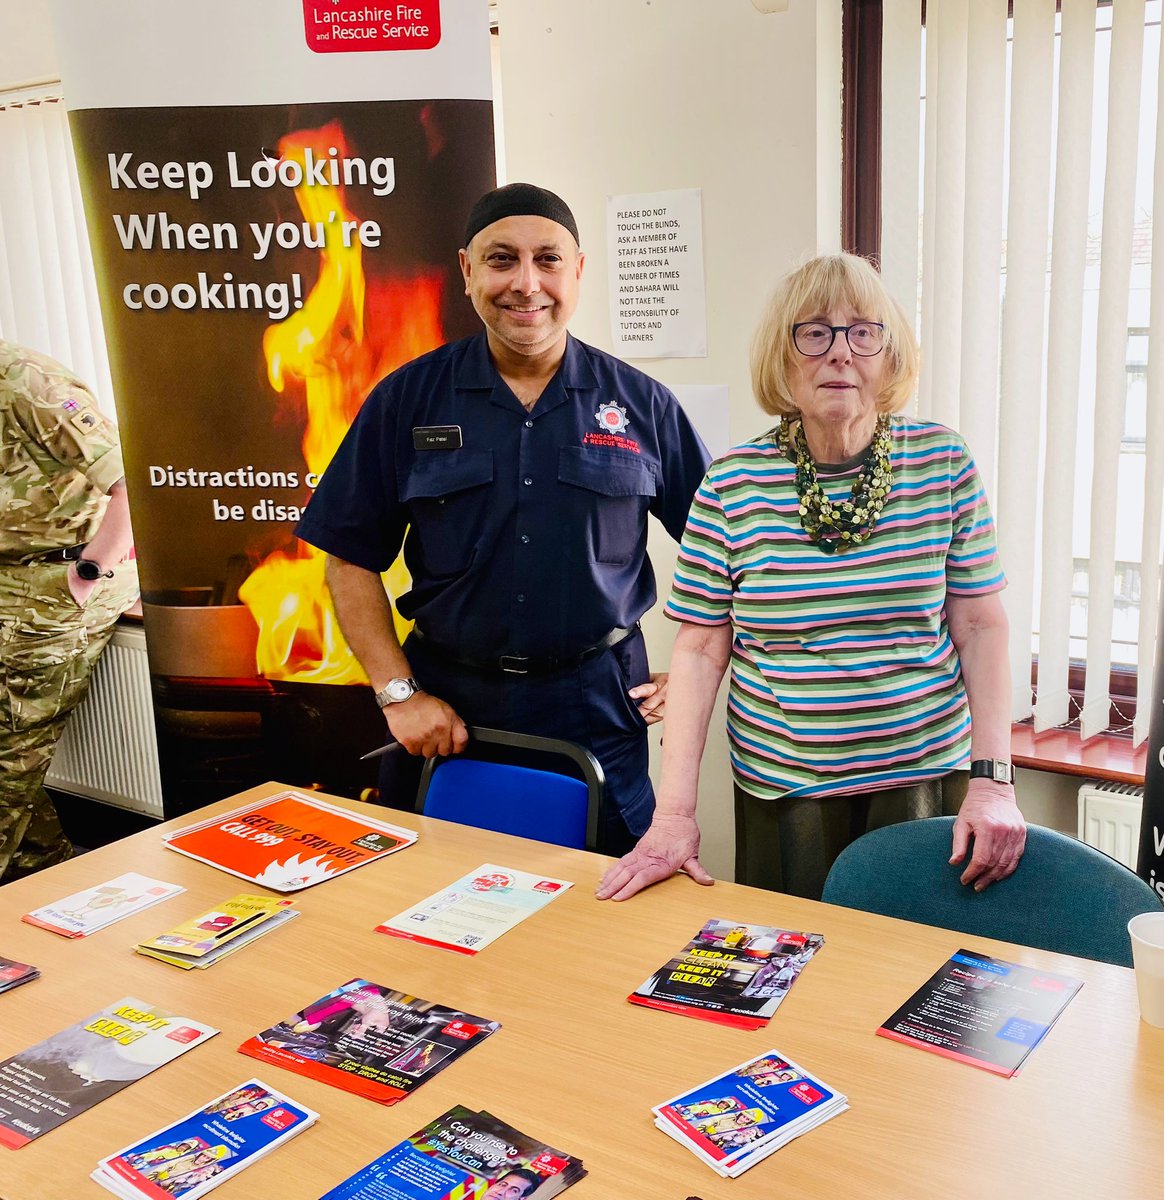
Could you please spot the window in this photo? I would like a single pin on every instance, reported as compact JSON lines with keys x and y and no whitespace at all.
{"x":1024,"y":181}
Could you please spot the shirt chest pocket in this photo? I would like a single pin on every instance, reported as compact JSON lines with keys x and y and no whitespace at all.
{"x":612,"y":497}
{"x":445,"y":498}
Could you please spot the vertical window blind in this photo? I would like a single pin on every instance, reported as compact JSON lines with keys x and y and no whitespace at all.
{"x":1032,"y":166}
{"x":48,"y":294}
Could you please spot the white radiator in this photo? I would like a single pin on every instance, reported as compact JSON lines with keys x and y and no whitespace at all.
{"x":109,"y":750}
{"x":1109,"y":818}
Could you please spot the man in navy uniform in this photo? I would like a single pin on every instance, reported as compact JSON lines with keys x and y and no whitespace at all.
{"x":523,"y":464}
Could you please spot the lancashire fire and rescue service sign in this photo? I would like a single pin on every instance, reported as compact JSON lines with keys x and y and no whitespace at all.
{"x":343,"y":26}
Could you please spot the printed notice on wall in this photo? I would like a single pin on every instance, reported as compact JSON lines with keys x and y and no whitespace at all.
{"x":658,"y":306}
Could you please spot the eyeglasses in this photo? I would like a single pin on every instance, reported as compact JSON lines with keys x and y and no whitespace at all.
{"x":814,"y":338}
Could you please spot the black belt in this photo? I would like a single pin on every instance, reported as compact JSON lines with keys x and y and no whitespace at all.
{"x":515,"y":664}
{"x":65,"y":554}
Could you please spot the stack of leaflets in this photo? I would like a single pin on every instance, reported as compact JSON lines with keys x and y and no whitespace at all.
{"x":370,"y":1040}
{"x":195,"y":1154}
{"x":13,"y":973}
{"x":289,"y":841}
{"x":731,"y":973}
{"x":476,"y":910}
{"x":983,"y":1011}
{"x":462,"y":1155}
{"x":203,"y":940}
{"x":70,"y":1072}
{"x":733,"y":1121}
{"x":86,"y":912}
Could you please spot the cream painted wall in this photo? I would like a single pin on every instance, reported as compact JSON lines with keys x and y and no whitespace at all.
{"x":614,"y":96}
{"x":28,"y":52}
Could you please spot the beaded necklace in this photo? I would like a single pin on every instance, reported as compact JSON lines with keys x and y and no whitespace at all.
{"x":848,"y":523}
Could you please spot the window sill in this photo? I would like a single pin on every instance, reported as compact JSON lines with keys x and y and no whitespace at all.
{"x":1062,"y":751}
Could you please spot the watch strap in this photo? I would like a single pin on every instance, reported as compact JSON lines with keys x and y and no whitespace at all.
{"x":997,"y":769}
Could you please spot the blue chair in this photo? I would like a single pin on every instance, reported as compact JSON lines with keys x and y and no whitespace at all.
{"x":479,"y":788}
{"x":1064,"y":896}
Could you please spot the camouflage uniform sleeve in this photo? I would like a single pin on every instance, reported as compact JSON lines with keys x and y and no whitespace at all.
{"x":59,"y":413}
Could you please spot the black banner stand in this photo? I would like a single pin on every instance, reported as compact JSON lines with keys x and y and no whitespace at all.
{"x":1150,"y":863}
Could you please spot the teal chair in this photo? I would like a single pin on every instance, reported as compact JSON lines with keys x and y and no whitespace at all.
{"x":1064,"y":896}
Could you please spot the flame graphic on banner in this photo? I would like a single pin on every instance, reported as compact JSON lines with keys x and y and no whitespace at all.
{"x":350,"y":332}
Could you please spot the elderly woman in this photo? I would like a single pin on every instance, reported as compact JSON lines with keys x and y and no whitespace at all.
{"x":844,"y":563}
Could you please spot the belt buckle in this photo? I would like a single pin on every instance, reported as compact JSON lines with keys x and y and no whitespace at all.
{"x":513,"y":664}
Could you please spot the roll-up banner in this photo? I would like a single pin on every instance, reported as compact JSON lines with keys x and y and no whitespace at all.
{"x":1150,"y":863}
{"x":275,"y":193}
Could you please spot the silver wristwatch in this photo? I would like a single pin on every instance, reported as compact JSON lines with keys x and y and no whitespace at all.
{"x":396,"y":691}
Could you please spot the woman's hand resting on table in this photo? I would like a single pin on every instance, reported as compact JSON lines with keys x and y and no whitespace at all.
{"x":671,"y":844}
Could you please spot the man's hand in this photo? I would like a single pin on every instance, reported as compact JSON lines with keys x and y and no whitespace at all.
{"x":990,"y":815}
{"x":671,"y":844}
{"x":427,"y":726}
{"x":653,"y":696}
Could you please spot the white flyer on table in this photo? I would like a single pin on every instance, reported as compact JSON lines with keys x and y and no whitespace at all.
{"x":475,"y":910}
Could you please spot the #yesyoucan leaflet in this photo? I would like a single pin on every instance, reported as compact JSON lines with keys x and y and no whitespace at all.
{"x":475,"y":910}
{"x":370,"y":1040}
{"x":464,"y":1155}
{"x":202,"y":940}
{"x":13,"y":973}
{"x":289,"y":841}
{"x":982,"y":1011}
{"x":730,"y":972}
{"x":49,"y":1083}
{"x":87,"y":911}
{"x":733,"y":1121}
{"x":197,"y":1153}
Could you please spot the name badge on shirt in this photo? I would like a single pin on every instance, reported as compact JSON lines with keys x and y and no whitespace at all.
{"x":436,"y":437}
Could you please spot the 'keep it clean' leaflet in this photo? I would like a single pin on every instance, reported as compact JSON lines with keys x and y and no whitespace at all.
{"x":289,"y":841}
{"x":464,"y":1155}
{"x":476,"y":910}
{"x":55,"y":1080}
{"x":983,"y":1011}
{"x":370,"y":1040}
{"x":200,"y":1151}
{"x":731,"y":973}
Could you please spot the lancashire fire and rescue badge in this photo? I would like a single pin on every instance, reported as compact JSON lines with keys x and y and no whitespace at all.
{"x":611,"y":418}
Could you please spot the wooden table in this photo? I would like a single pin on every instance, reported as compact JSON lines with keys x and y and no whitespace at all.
{"x":576,"y":1065}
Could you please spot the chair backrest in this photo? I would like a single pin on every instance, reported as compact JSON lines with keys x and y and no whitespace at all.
{"x":474,"y":788}
{"x":1065,"y":896}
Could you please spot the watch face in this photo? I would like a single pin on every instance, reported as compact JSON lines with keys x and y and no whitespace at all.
{"x":88,"y":570}
{"x":399,"y":689}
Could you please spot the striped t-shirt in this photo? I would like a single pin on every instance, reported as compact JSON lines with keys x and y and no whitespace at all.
{"x":843,"y":675}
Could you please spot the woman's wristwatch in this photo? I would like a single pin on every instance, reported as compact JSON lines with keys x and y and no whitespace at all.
{"x":997,"y":769}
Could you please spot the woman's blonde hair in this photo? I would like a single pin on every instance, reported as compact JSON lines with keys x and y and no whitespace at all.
{"x":821,"y":286}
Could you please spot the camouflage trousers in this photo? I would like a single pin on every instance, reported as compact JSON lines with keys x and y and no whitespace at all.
{"x":48,"y":647}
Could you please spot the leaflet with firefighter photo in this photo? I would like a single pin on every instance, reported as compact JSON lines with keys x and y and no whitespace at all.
{"x":289,"y":841}
{"x":731,"y":973}
{"x":370,"y":1040}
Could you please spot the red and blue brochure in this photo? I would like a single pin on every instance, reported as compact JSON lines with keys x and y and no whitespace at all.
{"x":733,"y":1121}
{"x":371,"y":1040}
{"x":982,"y":1011}
{"x":464,"y":1155}
{"x":195,"y":1154}
{"x":730,"y":972}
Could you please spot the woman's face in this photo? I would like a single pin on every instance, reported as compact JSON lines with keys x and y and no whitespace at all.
{"x":838,"y":387}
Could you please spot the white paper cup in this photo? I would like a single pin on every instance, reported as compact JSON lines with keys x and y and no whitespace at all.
{"x":1147,"y":934}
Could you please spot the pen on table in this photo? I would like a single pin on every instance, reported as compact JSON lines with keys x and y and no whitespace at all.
{"x":387,"y":748}
{"x":239,"y":924}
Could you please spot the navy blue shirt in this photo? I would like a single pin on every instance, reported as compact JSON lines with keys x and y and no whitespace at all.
{"x":529,"y":538}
